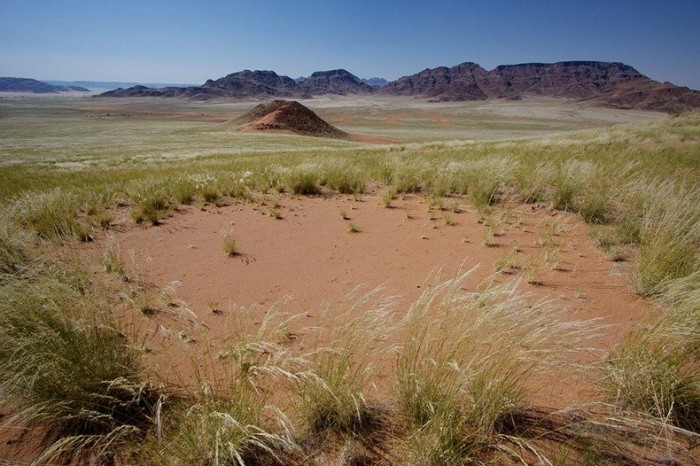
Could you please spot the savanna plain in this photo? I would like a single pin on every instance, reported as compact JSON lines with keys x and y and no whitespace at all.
{"x":500,"y":282}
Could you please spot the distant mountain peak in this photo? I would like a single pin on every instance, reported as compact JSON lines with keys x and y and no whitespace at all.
{"x":9,"y":84}
{"x":376,"y":82}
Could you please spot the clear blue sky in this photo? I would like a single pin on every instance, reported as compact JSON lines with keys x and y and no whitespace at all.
{"x":187,"y":41}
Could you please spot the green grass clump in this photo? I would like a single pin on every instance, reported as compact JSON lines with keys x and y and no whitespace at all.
{"x":150,"y":204}
{"x":669,"y":235}
{"x":652,"y":373}
{"x":594,"y":209}
{"x":184,"y":190}
{"x":67,"y":368}
{"x":655,"y":369}
{"x":304,"y":180}
{"x":344,"y":178}
{"x":52,"y":215}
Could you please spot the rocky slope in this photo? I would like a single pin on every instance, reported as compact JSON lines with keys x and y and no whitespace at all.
{"x":35,"y":87}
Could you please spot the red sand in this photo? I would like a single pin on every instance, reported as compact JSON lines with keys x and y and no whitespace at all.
{"x":309,"y":260}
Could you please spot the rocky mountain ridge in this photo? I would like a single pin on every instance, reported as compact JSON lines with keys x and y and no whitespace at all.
{"x":611,"y":84}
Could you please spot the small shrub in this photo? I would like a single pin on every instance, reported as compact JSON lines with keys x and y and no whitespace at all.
{"x":53,"y":215}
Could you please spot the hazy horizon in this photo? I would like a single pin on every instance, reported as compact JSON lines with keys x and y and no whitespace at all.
{"x":182,"y":41}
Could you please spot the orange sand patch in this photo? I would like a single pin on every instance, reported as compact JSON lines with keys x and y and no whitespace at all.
{"x":309,"y":261}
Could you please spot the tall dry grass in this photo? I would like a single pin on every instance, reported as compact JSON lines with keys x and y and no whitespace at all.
{"x":468,"y":362}
{"x":66,"y":367}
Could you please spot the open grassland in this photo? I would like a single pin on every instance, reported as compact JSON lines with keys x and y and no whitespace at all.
{"x":73,"y":363}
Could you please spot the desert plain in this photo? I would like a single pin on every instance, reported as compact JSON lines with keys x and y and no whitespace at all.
{"x":501,"y":282}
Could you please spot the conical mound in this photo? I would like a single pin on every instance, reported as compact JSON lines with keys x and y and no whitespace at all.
{"x":287,"y":116}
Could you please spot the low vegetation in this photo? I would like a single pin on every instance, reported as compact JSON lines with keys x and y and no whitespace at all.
{"x":463,"y":363}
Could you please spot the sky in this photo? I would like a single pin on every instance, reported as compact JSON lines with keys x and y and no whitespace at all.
{"x":189,"y":41}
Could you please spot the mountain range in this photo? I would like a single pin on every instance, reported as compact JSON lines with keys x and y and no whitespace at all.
{"x":8,"y":84}
{"x":610,"y":84}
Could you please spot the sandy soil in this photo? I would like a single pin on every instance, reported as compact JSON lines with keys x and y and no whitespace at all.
{"x":308,"y":261}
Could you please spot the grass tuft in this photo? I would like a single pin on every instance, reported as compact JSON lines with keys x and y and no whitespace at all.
{"x":330,"y":392}
{"x":14,"y":248}
{"x":230,"y":247}
{"x":68,"y":369}
{"x":467,"y":362}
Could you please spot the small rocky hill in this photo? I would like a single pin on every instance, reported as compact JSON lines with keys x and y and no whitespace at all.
{"x":286,"y":116}
{"x":33,"y":86}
